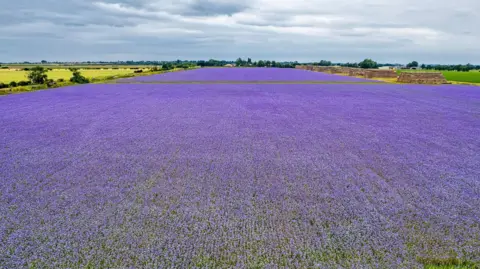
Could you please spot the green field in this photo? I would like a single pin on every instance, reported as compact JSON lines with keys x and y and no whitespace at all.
{"x":471,"y":77}
{"x":8,"y":75}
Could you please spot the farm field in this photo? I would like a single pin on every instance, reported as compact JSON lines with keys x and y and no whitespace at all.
{"x":472,"y":76}
{"x":246,"y":176}
{"x":6,"y":76}
{"x":245,"y":74}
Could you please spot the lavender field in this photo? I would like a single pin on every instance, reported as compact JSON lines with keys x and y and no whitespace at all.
{"x":246,"y":74}
{"x":240,"y":176}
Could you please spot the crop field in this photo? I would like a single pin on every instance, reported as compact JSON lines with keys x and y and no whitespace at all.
{"x":6,"y":75}
{"x":471,"y":77}
{"x":247,"y":176}
{"x":245,"y":74}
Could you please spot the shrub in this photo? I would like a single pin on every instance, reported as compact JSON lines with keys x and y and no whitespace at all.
{"x":60,"y":80}
{"x":138,"y":71}
{"x":13,"y":84}
{"x":50,"y":82}
{"x":77,"y":77}
{"x":26,"y":69}
{"x":3,"y":85}
{"x":23,"y":83}
{"x":4,"y":67}
{"x":37,"y":75}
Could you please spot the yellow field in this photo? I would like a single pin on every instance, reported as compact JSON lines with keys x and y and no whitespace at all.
{"x":8,"y":75}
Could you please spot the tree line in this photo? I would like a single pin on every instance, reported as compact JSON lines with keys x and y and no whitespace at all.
{"x":369,"y":63}
{"x":246,"y":63}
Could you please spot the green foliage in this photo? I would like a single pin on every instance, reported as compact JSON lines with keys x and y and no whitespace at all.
{"x":167,"y":66}
{"x":459,"y":67}
{"x":13,"y":84}
{"x":24,"y":83}
{"x":367,"y":63}
{"x":37,"y":75}
{"x":240,"y":62}
{"x":50,"y":83}
{"x":412,"y":64}
{"x":77,"y":77}
{"x":3,"y":85}
{"x":324,"y":63}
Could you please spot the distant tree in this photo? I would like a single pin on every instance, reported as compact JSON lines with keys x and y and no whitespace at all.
{"x":44,"y":61}
{"x":268,"y":63}
{"x":77,"y":76}
{"x":324,"y":63}
{"x":167,"y":66}
{"x":239,"y":62}
{"x":12,"y":84}
{"x":367,"y":63}
{"x":37,"y":75}
{"x":274,"y":64}
{"x":412,"y":64}
{"x":249,"y":61}
{"x":423,"y":66}
{"x":261,"y":63}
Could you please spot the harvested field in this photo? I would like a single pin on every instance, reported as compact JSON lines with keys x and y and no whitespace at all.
{"x":422,"y":78}
{"x":376,"y":73}
{"x":469,"y":77}
{"x":356,"y":72}
{"x":246,"y":176}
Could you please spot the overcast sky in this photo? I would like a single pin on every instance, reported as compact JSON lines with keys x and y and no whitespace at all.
{"x":430,"y":31}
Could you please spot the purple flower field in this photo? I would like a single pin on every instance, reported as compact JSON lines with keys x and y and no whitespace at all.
{"x":246,"y":74}
{"x":245,"y":176}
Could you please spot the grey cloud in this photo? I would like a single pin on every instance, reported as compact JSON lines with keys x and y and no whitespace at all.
{"x":211,"y":8}
{"x":339,"y":30}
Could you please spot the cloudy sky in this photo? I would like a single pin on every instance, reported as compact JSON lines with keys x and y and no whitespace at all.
{"x":430,"y":31}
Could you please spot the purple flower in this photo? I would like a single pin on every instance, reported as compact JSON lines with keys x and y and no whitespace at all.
{"x":295,"y":176}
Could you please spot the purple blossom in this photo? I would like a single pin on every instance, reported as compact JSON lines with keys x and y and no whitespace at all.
{"x":295,"y":176}
{"x":245,"y":74}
